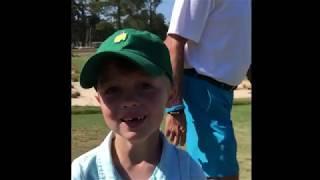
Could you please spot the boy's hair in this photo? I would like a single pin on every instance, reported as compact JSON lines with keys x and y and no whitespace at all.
{"x":142,"y":48}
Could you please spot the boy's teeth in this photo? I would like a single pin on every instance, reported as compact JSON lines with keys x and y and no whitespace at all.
{"x":130,"y":119}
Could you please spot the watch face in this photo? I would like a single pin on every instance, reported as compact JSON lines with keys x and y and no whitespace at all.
{"x":176,"y":112}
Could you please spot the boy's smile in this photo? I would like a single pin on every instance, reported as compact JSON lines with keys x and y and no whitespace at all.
{"x":133,"y":120}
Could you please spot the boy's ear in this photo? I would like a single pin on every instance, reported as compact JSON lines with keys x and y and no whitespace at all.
{"x":97,"y":96}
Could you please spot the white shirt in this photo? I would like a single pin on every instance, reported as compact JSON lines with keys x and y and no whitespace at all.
{"x":175,"y":164}
{"x":219,"y":36}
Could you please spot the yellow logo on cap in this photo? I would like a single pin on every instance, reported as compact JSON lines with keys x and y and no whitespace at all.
{"x":120,"y":37}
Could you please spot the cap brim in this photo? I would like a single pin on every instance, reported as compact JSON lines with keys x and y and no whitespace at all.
{"x":90,"y":71}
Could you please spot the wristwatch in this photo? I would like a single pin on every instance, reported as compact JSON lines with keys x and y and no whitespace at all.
{"x":173,"y":113}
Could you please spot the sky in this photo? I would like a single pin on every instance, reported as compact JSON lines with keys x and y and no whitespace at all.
{"x":165,"y":8}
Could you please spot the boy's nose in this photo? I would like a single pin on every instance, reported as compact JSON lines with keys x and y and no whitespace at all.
{"x":130,"y":101}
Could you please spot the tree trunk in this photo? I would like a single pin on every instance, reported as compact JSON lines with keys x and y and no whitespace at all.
{"x":118,"y":15}
{"x":150,"y":15}
{"x":90,"y":37}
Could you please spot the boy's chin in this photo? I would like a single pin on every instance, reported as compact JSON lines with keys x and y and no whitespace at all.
{"x":135,"y":137}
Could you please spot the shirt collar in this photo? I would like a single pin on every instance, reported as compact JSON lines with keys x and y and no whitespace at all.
{"x":106,"y":169}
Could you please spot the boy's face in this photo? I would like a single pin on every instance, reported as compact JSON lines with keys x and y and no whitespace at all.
{"x":132,"y":102}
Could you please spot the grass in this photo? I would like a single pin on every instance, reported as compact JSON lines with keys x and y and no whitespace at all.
{"x":241,"y":116}
{"x":88,"y":131}
{"x":78,"y":60}
{"x":85,"y":110}
{"x":242,"y":101}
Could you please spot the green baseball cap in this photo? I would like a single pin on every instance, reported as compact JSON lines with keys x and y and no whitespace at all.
{"x":140,"y":47}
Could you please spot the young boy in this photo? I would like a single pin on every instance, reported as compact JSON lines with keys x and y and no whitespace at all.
{"x":132,"y":75}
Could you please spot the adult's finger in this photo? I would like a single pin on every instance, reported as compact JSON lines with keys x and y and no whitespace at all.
{"x":183,"y":137}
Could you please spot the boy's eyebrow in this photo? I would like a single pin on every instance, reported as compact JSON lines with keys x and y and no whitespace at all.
{"x":105,"y":80}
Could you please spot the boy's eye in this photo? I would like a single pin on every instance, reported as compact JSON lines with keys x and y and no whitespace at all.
{"x":112,"y":90}
{"x":146,"y":86}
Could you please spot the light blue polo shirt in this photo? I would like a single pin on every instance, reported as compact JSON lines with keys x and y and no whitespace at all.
{"x":175,"y":164}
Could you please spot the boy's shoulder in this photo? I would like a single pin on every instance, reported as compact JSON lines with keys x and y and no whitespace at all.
{"x":94,"y":163}
{"x":84,"y":165}
{"x":87,"y":157}
{"x":179,"y":160}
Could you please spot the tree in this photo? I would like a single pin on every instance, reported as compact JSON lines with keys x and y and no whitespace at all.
{"x":148,"y":19}
{"x":152,"y":5}
{"x":84,"y":17}
{"x":103,"y":30}
{"x":94,"y":20}
{"x":77,"y":20}
{"x":159,"y":26}
{"x":119,"y":10}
